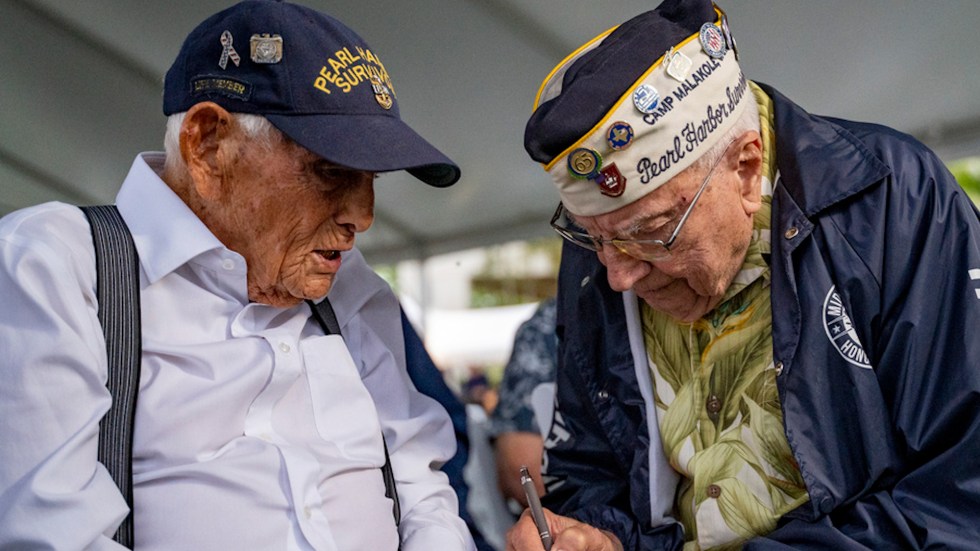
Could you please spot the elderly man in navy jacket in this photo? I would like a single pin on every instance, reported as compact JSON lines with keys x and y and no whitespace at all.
{"x":764,"y":315}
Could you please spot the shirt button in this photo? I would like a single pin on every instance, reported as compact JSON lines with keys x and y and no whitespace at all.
{"x":228,"y":264}
{"x":713,"y":405}
{"x":307,"y":512}
{"x":284,"y":347}
{"x":585,"y":281}
{"x":826,"y":505}
{"x":714,"y":491}
{"x":779,"y":368}
{"x":603,"y":394}
{"x":792,"y":232}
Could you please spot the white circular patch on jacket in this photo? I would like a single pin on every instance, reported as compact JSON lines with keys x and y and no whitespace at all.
{"x":841,"y":332}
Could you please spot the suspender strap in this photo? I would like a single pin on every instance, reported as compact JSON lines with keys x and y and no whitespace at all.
{"x":324,"y":315}
{"x":118,"y":294}
{"x":117,"y":268}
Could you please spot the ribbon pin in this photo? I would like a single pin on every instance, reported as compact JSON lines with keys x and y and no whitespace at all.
{"x":229,"y":51}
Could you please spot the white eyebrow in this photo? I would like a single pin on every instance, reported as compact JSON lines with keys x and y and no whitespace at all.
{"x":635,"y":226}
{"x":644,"y":222}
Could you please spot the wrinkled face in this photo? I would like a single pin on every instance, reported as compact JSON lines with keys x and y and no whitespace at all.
{"x":289,"y":213}
{"x":708,"y":252}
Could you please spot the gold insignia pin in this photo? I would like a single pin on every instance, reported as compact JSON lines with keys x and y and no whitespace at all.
{"x":381,"y":92}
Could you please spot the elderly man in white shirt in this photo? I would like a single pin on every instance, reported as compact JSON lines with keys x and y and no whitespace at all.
{"x":253,"y":429}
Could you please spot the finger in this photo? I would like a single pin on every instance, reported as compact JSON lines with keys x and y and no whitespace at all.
{"x":523,"y":536}
{"x":582,"y":537}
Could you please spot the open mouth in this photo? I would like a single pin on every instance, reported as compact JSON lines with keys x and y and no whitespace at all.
{"x":329,"y":255}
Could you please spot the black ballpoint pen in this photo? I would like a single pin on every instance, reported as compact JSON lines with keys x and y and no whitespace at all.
{"x":534,"y":504}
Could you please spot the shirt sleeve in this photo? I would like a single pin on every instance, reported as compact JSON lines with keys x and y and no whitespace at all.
{"x":417,"y":429}
{"x":54,"y":494}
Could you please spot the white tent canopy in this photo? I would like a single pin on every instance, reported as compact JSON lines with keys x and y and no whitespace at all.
{"x":458,"y":339}
{"x":80,"y":92}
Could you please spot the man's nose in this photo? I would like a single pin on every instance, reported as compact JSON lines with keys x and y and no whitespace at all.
{"x":623,"y":271}
{"x":357,"y":212}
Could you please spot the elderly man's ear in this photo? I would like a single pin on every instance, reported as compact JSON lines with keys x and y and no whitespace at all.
{"x":749,"y":170}
{"x":203,"y":146}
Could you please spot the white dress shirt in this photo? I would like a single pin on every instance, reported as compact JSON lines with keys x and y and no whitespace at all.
{"x":253,"y":429}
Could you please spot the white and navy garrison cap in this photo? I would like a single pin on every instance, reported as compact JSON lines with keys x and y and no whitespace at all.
{"x":636,"y":105}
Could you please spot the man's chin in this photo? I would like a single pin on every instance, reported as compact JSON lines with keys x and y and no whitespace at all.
{"x":286,"y":296}
{"x":686,"y":313}
{"x":317,"y":289}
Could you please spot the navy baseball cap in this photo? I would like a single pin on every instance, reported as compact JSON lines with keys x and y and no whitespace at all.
{"x":312,"y":77}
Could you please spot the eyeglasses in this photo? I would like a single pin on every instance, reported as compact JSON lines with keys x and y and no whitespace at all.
{"x":647,"y":250}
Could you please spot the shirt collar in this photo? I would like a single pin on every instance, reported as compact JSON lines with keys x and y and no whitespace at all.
{"x":755,"y":264}
{"x":165,"y":230}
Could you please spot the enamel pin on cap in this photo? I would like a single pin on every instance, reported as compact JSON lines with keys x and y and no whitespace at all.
{"x":677,"y":64}
{"x":381,"y":92}
{"x":646,"y":98}
{"x":619,"y":136}
{"x":712,"y":41}
{"x":266,"y":48}
{"x":729,"y":39}
{"x":228,"y":51}
{"x":610,"y":180}
{"x":584,"y":163}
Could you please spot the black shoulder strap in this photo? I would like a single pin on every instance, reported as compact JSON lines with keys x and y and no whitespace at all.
{"x":117,"y":289}
{"x":324,"y":315}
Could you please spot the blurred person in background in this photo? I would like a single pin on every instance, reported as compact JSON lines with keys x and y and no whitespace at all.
{"x":514,"y":424}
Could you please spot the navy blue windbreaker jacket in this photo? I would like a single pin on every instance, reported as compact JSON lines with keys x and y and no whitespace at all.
{"x":876,"y":338}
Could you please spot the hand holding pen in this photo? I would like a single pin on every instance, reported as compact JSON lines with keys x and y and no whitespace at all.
{"x":534,"y":532}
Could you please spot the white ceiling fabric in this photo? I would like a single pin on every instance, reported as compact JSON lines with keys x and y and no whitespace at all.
{"x":80,"y":91}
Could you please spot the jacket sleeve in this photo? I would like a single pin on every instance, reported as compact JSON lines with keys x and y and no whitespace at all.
{"x":54,"y":494}
{"x":926,"y":356}
{"x":596,"y":453}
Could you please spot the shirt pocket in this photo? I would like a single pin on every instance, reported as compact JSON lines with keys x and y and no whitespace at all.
{"x":344,"y":413}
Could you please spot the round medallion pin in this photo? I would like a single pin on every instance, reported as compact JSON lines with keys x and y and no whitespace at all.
{"x":584,"y":163}
{"x":712,"y":41}
{"x":619,"y":136}
{"x":646,"y":98}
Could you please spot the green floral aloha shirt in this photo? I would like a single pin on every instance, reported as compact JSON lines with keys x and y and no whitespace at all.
{"x":717,"y":404}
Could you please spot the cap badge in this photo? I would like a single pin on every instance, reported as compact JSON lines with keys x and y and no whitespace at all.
{"x":228,"y":51}
{"x":712,"y":41}
{"x":611,"y":181}
{"x":677,"y":64}
{"x":646,"y":98}
{"x":729,"y":39}
{"x":619,"y":135}
{"x":381,"y":92}
{"x":266,"y":48}
{"x":584,"y":163}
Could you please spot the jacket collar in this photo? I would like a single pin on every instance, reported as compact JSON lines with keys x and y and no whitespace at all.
{"x":820,"y":162}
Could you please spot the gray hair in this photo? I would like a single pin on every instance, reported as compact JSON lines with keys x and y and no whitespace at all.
{"x":256,"y":127}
